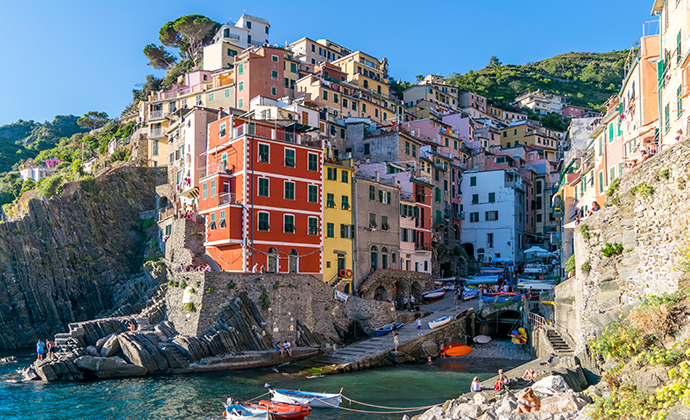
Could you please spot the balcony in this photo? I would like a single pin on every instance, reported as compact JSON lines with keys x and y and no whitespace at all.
{"x":156,"y":132}
{"x":166,"y":213}
{"x":556,"y":238}
{"x":215,"y":168}
{"x":156,"y":115}
{"x":232,"y":36}
{"x":229,"y":198}
{"x":422,"y":247}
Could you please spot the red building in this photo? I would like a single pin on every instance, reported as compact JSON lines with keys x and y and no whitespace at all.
{"x":261,"y":195}
{"x":259,"y":72}
{"x":422,"y":199}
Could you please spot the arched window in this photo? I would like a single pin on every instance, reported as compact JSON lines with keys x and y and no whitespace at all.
{"x":384,"y":258}
{"x":272,"y":260}
{"x":374,"y":258}
{"x":293,"y":259}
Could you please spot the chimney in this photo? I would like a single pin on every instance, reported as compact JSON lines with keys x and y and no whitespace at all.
{"x":378,"y":176}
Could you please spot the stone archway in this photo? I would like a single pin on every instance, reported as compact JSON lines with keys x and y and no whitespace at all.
{"x":469,"y":249}
{"x":416,"y":291}
{"x":380,"y":293}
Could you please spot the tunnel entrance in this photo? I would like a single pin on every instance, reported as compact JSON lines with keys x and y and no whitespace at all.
{"x":499,"y":324}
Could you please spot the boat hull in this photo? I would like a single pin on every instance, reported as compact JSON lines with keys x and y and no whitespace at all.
{"x":239,"y":412}
{"x":312,"y":399}
{"x":283,"y":411}
{"x":456,"y":350}
{"x":387,"y":329}
{"x":439,"y":322}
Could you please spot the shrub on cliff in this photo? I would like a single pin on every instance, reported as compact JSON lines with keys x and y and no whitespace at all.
{"x":570,"y":264}
{"x":611,"y":249}
{"x":657,"y":314}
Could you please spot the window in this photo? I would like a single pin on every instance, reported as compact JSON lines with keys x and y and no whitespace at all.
{"x":345,"y":202}
{"x":274,"y":58}
{"x":325,"y":95}
{"x":474,"y":217}
{"x":240,"y":86}
{"x":240,"y":103}
{"x":345,"y":104}
{"x":222,"y":130}
{"x":388,"y":197}
{"x":289,"y":223}
{"x":354,"y":106}
{"x":290,"y":158}
{"x":330,"y":230}
{"x":331,"y":174}
{"x":263,"y":221}
{"x":384,"y":222}
{"x":249,"y":26}
{"x":274,"y":74}
{"x":221,"y":223}
{"x":210,"y":97}
{"x":205,"y":190}
{"x":264,"y":150}
{"x":407,"y":147}
{"x":274,"y":91}
{"x":601,"y":182}
{"x":330,"y":201}
{"x":473,"y":181}
{"x":154,"y":148}
{"x":313,"y":194}
{"x":489,"y":240}
{"x":438,"y":195}
{"x":372,"y":193}
{"x":475,"y":198}
{"x":492,"y":197}
{"x":213,"y":188}
{"x":376,"y":112}
{"x":414,"y":150}
{"x":289,"y":190}
{"x":667,"y":118}
{"x":313,"y":164}
{"x":491,"y":216}
{"x":313,"y":226}
{"x":679,"y":100}
{"x":345,"y":177}
{"x":293,"y":67}
{"x":212,"y":225}
{"x":263,"y":187}
{"x":372,"y":220}
{"x":335,"y":98}
{"x":227,"y":93}
{"x":367,"y":148}
{"x":240,"y":68}
{"x":344,"y":231}
{"x":313,"y":48}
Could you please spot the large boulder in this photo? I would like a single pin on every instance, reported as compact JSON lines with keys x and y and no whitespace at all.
{"x":111,"y":346}
{"x":102,"y":341}
{"x":108,"y":367}
{"x":562,"y":403}
{"x":435,"y":413}
{"x":679,"y":412}
{"x":140,"y":351}
{"x":551,"y":385}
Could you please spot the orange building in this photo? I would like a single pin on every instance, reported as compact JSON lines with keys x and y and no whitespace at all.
{"x":259,"y":71}
{"x":261,"y":195}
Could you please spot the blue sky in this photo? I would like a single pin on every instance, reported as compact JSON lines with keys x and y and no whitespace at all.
{"x":70,"y":57}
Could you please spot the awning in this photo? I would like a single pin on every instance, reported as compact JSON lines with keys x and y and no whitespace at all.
{"x":191,"y":193}
{"x":340,"y":253}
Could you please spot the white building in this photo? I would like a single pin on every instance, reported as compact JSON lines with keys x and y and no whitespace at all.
{"x":494,"y":224}
{"x":36,"y":173}
{"x":231,"y":39}
{"x":542,"y":102}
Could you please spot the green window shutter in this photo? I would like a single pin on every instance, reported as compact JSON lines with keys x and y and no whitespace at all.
{"x":388,"y":196}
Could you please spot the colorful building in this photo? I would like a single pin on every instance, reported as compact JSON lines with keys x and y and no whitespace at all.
{"x":261,"y":194}
{"x":338,"y":219}
{"x":434,"y":89}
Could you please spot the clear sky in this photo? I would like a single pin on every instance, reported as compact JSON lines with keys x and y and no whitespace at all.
{"x":70,"y":57}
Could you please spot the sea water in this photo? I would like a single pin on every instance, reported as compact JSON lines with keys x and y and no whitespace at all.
{"x":200,"y":396}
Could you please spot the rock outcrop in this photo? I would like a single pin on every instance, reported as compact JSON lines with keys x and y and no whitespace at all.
{"x":75,"y":257}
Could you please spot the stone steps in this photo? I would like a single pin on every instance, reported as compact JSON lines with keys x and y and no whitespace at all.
{"x":557,"y":342}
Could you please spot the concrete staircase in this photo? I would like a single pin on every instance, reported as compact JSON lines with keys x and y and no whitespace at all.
{"x":557,"y":342}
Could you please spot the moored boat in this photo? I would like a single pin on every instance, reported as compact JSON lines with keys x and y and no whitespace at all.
{"x":387,"y":329}
{"x":455,"y":350}
{"x":491,"y":270}
{"x":283,"y":411}
{"x":468,"y":293}
{"x":312,"y":399}
{"x":481,"y":279}
{"x":240,"y":412}
{"x":433,"y":295}
{"x":438,"y":322}
{"x":498,"y":297}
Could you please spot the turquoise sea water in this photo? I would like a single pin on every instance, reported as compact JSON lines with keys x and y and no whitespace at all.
{"x":200,"y":396}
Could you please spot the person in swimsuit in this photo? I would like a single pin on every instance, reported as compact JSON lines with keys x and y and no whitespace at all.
{"x":528,"y":402}
{"x":40,"y":349}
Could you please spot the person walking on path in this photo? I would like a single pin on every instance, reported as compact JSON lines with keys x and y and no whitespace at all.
{"x":396,"y":341}
{"x":419,"y":326}
{"x":405,"y":304}
{"x":40,"y":349}
{"x":412,"y":302}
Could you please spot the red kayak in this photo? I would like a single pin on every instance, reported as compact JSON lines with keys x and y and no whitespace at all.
{"x":283,"y":411}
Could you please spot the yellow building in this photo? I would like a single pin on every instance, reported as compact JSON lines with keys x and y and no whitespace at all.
{"x":529,"y":133}
{"x":338,"y":223}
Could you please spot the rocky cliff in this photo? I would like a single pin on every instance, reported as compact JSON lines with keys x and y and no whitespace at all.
{"x":631,"y":248}
{"x":77,"y":256}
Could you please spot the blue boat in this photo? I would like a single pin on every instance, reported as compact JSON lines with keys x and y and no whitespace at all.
{"x":481,"y":279}
{"x":499,"y":297}
{"x":387,"y":329}
{"x":469,"y":293}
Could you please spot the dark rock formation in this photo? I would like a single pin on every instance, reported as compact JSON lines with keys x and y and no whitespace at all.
{"x":111,"y":367}
{"x":75,"y":257}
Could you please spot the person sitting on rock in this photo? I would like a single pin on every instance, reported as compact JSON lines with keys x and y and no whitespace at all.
{"x":279,"y":347}
{"x":288,"y":347}
{"x":476,"y":386}
{"x":528,"y":402}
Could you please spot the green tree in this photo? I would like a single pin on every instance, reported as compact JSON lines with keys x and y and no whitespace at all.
{"x":93,"y":120}
{"x":188,"y":33}
{"x":494,"y":61}
{"x":158,"y":57}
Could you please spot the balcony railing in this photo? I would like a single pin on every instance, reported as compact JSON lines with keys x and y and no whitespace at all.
{"x":156,"y":132}
{"x":422,"y":247}
{"x":555,"y":238}
{"x":215,"y":168}
{"x":232,"y":36}
{"x":157,"y":114}
{"x":165,"y":213}
{"x":229,"y":198}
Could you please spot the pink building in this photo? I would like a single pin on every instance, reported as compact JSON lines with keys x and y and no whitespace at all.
{"x":437,"y":132}
{"x":469,"y":99}
{"x":572,"y":111}
{"x":462,"y":123}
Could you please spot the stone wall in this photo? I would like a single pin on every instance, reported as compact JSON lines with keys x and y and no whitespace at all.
{"x":296,"y":307}
{"x":185,"y":244}
{"x":652,"y":230}
{"x":396,"y":284}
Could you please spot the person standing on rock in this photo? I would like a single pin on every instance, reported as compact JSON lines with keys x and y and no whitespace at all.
{"x":396,"y":341}
{"x":40,"y":349}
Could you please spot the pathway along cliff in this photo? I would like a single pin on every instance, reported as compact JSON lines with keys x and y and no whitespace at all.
{"x":76,"y":257}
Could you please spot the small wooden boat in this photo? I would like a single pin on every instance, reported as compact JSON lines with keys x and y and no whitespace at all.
{"x":491,"y":270}
{"x":312,"y":399}
{"x":439,"y":322}
{"x":387,"y":329}
{"x":240,"y":412}
{"x":433,"y":295}
{"x":468,"y":294}
{"x":481,"y":279}
{"x":283,"y":411}
{"x":455,"y":350}
{"x":482,"y":339}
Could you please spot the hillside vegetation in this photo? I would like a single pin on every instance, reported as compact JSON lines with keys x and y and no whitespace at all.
{"x":25,"y":139}
{"x":588,"y":79}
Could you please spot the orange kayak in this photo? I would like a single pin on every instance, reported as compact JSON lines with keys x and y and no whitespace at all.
{"x":456,"y":350}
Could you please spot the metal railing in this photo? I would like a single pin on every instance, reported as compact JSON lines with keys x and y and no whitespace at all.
{"x":229,"y":198}
{"x":156,"y":132}
{"x":537,"y":320}
{"x":158,"y":114}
